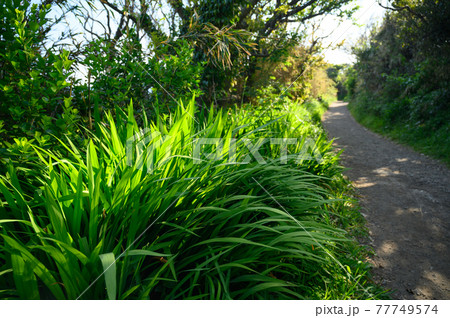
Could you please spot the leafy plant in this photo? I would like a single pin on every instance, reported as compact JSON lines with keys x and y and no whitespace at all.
{"x":34,"y":80}
{"x":153,"y":223}
{"x":124,"y":69}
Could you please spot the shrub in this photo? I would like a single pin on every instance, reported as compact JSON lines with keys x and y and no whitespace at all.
{"x":33,"y":80}
{"x":123,"y":69}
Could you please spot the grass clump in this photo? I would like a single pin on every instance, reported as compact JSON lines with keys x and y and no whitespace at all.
{"x":94,"y":222}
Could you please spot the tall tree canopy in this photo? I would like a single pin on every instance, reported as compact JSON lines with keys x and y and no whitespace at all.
{"x":223,"y":33}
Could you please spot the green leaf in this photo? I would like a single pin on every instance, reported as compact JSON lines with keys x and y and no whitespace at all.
{"x":24,"y":278}
{"x":109,"y":268}
{"x":34,"y":26}
{"x":35,"y":265}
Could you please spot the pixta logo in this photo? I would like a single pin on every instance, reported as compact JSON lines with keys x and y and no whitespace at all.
{"x":307,"y":149}
{"x":154,"y":148}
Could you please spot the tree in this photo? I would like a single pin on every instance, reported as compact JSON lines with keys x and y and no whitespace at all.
{"x":223,"y":33}
{"x":404,"y":63}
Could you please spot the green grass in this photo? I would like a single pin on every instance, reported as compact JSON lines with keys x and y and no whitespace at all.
{"x":426,"y":138}
{"x":85,"y":222}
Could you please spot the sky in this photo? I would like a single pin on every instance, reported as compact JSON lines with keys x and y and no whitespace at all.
{"x":369,"y":13}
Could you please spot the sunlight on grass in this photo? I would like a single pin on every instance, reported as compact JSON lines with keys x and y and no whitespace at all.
{"x":186,"y":230}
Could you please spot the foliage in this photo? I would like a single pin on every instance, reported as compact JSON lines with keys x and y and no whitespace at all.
{"x":403,"y":76}
{"x":34,"y":92}
{"x":91,"y":207}
{"x":321,"y":86}
{"x":298,"y":75}
{"x":183,"y":229}
{"x":213,"y":51}
{"x":123,"y":70}
{"x":431,"y":137}
{"x":344,"y":77}
{"x":222,"y":33}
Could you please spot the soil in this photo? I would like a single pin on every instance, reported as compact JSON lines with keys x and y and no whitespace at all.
{"x":405,"y":198}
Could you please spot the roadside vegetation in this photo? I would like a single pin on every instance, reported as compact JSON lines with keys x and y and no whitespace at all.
{"x":402,"y":77}
{"x":217,"y":230}
{"x":106,"y":192}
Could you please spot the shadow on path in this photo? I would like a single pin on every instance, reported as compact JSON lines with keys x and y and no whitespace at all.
{"x":405,"y":198}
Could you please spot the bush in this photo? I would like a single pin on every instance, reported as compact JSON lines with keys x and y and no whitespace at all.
{"x":33,"y":81}
{"x":124,"y":69}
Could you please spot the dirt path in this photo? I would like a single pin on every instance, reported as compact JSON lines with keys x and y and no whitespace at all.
{"x":405,"y":197}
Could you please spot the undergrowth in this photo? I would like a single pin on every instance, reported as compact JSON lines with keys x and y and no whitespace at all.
{"x":117,"y":219}
{"x":403,"y":120}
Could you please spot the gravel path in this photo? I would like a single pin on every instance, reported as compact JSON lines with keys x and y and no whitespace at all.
{"x":405,"y":198}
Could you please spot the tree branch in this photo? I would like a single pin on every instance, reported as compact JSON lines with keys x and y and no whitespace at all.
{"x":177,"y":6}
{"x":401,"y":8}
{"x":145,"y":20}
